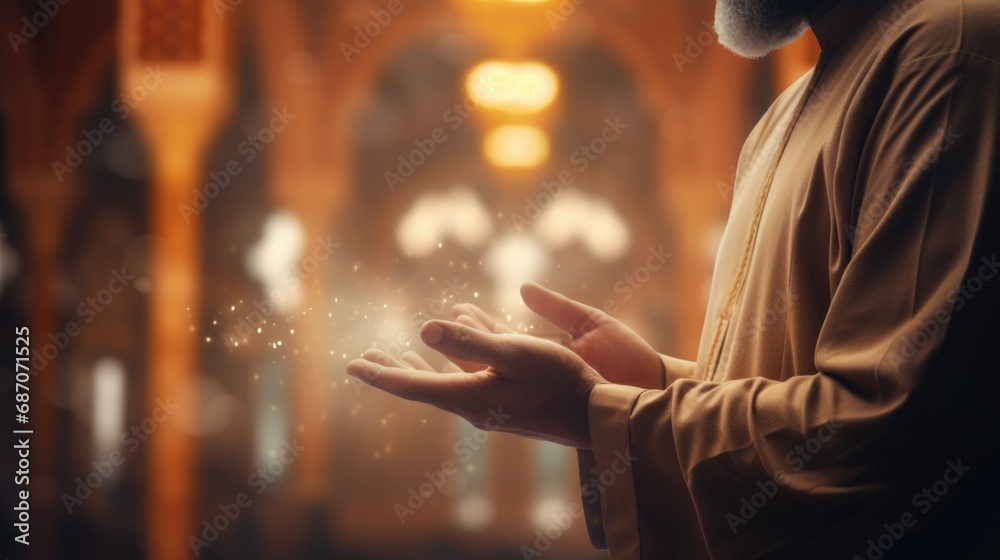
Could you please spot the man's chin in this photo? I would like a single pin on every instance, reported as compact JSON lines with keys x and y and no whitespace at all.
{"x":754,"y":28}
{"x":750,"y":46}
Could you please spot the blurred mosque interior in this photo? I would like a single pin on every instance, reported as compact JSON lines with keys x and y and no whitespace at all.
{"x":211,"y":206}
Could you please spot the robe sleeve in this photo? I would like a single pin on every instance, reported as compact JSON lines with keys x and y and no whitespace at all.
{"x":757,"y":464}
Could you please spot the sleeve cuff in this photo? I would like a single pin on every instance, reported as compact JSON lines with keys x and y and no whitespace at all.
{"x":591,"y":500}
{"x":606,"y":477}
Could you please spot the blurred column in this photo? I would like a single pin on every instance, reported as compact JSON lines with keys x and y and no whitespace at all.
{"x":182,"y":45}
{"x":308,"y":174}
{"x":53,"y":81}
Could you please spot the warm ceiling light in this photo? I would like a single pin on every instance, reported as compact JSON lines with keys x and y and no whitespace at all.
{"x":524,"y":87}
{"x":515,"y":1}
{"x":516,"y":146}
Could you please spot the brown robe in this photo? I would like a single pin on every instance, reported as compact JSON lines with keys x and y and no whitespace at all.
{"x":841,"y":405}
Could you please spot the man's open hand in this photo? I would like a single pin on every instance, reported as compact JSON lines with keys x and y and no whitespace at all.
{"x":605,"y":343}
{"x":542,"y":388}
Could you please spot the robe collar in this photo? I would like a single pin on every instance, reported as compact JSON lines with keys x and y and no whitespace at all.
{"x":834,"y":20}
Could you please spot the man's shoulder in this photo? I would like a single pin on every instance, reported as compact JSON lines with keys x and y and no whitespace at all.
{"x":935,"y":29}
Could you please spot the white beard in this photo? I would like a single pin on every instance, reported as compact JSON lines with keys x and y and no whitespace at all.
{"x":754,"y":28}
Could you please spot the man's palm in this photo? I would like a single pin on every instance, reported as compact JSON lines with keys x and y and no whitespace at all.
{"x":605,"y":343}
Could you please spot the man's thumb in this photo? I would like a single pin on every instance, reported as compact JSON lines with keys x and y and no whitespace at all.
{"x":462,"y":343}
{"x":569,"y":315}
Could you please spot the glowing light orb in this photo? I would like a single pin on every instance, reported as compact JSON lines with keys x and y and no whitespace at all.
{"x":516,"y":146}
{"x":512,"y":261}
{"x":574,"y":215}
{"x":525,"y":87}
{"x":474,"y":512}
{"x":271,"y":259}
{"x":108,"y":405}
{"x":457,"y":213}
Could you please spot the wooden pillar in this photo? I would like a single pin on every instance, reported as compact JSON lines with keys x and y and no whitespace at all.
{"x":184,"y":46}
{"x":45,"y":207}
{"x":174,"y":305}
{"x":307,"y":176}
{"x":53,"y":81}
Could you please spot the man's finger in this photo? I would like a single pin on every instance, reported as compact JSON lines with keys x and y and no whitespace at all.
{"x":463,"y":343}
{"x":472,"y":322}
{"x":444,"y":391}
{"x":379,"y":356}
{"x":491,"y":324}
{"x":416,"y":361}
{"x":569,"y":315}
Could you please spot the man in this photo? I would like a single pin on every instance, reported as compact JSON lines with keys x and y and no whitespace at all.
{"x":840,"y":405}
